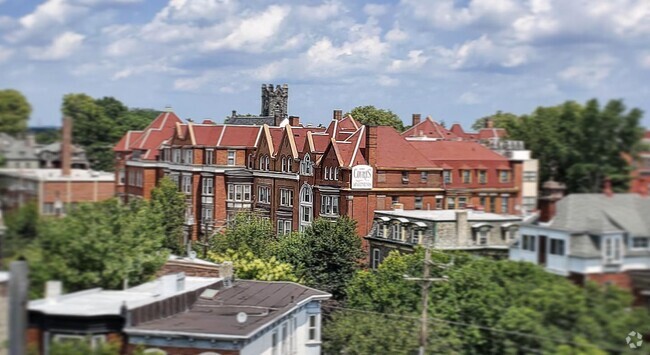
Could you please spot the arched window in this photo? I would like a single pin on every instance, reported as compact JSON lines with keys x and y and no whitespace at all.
{"x":306,"y":206}
{"x":305,"y":166}
{"x":284,"y":161}
{"x":336,"y":173}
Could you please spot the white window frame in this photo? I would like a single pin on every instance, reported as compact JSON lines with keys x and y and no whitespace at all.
{"x":286,"y":197}
{"x":329,"y":205}
{"x":633,"y":239}
{"x":612,"y":249}
{"x":121,"y":177}
{"x":208,"y":186}
{"x":556,"y":247}
{"x":177,"y":155}
{"x":306,"y":206}
{"x":187,"y":184}
{"x":232,"y":157}
{"x":504,"y":176}
{"x":305,"y":165}
{"x":452,"y":205}
{"x":209,"y":156}
{"x":313,"y":324}
{"x":447,"y":177}
{"x":264,"y":194}
{"x":188,"y":156}
{"x":376,"y":256}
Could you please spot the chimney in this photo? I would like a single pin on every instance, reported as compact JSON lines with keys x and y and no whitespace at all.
{"x":371,"y":145}
{"x":53,"y":289}
{"x":30,"y":139}
{"x":462,"y":227}
{"x":294,"y":121}
{"x":234,"y":113}
{"x":552,"y":191}
{"x":489,"y":123}
{"x":416,"y":118}
{"x":337,"y":115}
{"x":607,"y":188}
{"x":66,"y":147}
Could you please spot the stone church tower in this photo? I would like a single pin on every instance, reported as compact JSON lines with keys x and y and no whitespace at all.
{"x":275,"y":101}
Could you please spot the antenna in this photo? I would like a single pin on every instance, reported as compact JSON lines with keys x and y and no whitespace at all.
{"x":242,"y":317}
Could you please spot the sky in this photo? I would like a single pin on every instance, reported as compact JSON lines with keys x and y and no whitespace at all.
{"x":455,"y":61}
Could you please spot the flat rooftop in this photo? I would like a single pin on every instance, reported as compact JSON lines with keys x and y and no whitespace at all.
{"x":216,"y":316}
{"x":99,"y":302}
{"x":56,"y":175}
{"x":448,"y":215}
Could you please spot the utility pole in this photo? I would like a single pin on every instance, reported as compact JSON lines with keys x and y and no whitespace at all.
{"x":426,"y":285}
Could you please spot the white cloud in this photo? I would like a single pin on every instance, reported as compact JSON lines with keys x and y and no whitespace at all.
{"x":414,"y":61}
{"x":375,"y":9}
{"x":469,"y":98}
{"x":46,"y":17}
{"x":588,"y":73}
{"x":322,"y":12}
{"x":195,"y":10}
{"x":396,"y":34}
{"x":483,"y":52}
{"x":158,"y":67}
{"x":61,"y":47}
{"x":385,"y":80}
{"x":447,"y":15}
{"x":644,"y":60}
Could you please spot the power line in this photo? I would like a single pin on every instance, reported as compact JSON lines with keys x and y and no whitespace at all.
{"x":477,"y":326}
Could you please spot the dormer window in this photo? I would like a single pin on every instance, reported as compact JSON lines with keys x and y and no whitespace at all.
{"x":284,"y":161}
{"x":305,"y":165}
{"x":405,"y":177}
{"x":612,"y":251}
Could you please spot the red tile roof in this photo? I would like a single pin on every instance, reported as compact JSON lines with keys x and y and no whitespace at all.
{"x":159,"y":130}
{"x":320,"y":142}
{"x":394,"y":151}
{"x":441,"y":151}
{"x":127,"y":140}
{"x":239,"y":136}
{"x":489,"y":133}
{"x":430,"y":129}
{"x":207,"y":135}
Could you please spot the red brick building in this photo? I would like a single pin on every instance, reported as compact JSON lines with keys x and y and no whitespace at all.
{"x":641,"y":174}
{"x":294,"y":174}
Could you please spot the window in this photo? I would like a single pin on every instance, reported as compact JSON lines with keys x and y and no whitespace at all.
{"x":529,"y":203}
{"x":493,"y":204}
{"x":504,"y":204}
{"x":306,"y":206}
{"x":446,"y":176}
{"x":467,"y":176}
{"x":326,"y":173}
{"x":187,"y":184}
{"x":175,"y":179}
{"x":239,"y":193}
{"x":415,"y":235}
{"x":329,"y":205}
{"x":274,"y":342}
{"x":286,"y":197}
{"x":438,"y":202}
{"x":557,"y":247}
{"x":462,"y":202}
{"x":208,"y":186}
{"x":312,"y":330}
{"x":482,"y":177}
{"x":530,"y":176}
{"x":376,"y":258}
{"x":263,"y":194}
{"x":481,"y":236}
{"x":288,"y":165}
{"x":121,"y":177}
{"x":418,"y":202}
{"x":504,"y":176}
{"x":188,"y":156}
{"x":612,"y":249}
{"x":206,"y":214}
{"x":305,"y":165}
{"x":284,"y":226}
{"x":176,"y":155}
{"x":284,"y":161}
{"x":250,"y":161}
{"x":336,"y":173}
{"x":394,"y":199}
{"x":285,"y":338}
{"x":209,"y":156}
{"x":481,"y":201}
{"x":231,"y":157}
{"x":395,"y":231}
{"x":94,"y":340}
{"x":451,"y":203}
{"x":405,"y":177}
{"x":640,"y":242}
{"x":424,"y":176}
{"x":528,"y":242}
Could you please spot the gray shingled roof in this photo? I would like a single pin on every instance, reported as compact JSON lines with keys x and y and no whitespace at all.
{"x":599,"y":213}
{"x":250,"y":120}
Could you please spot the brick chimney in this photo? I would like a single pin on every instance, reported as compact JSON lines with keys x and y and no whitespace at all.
{"x":294,"y":121}
{"x":489,"y":123}
{"x":66,"y":146}
{"x":371,"y":145}
{"x":607,"y":188}
{"x":552,"y":191}
{"x":416,"y":118}
{"x":338,"y":114}
{"x":462,"y":227}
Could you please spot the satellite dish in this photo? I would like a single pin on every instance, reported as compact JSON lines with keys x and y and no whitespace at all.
{"x":242,"y":317}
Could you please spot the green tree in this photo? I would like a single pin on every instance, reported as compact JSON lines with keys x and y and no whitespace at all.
{"x":98,"y":245}
{"x":21,"y":229}
{"x":249,"y":267}
{"x":493,"y":307}
{"x":580,"y":145}
{"x":247,"y":232}
{"x":167,"y":201}
{"x":372,"y":116}
{"x":81,"y":348}
{"x":14,"y":112}
{"x":100,"y":123}
{"x":326,"y":255}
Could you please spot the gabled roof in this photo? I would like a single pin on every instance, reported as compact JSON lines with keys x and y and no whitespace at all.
{"x":127,"y":140}
{"x":320,"y":142}
{"x":159,"y":130}
{"x":430,"y":129}
{"x":239,"y":136}
{"x":458,"y":130}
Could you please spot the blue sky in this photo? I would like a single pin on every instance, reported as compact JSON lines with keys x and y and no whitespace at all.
{"x":453,"y":60}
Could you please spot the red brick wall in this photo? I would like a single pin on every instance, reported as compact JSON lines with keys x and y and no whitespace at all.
{"x":621,"y":279}
{"x":77,"y":191}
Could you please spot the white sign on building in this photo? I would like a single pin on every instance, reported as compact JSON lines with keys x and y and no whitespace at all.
{"x":362,"y":177}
